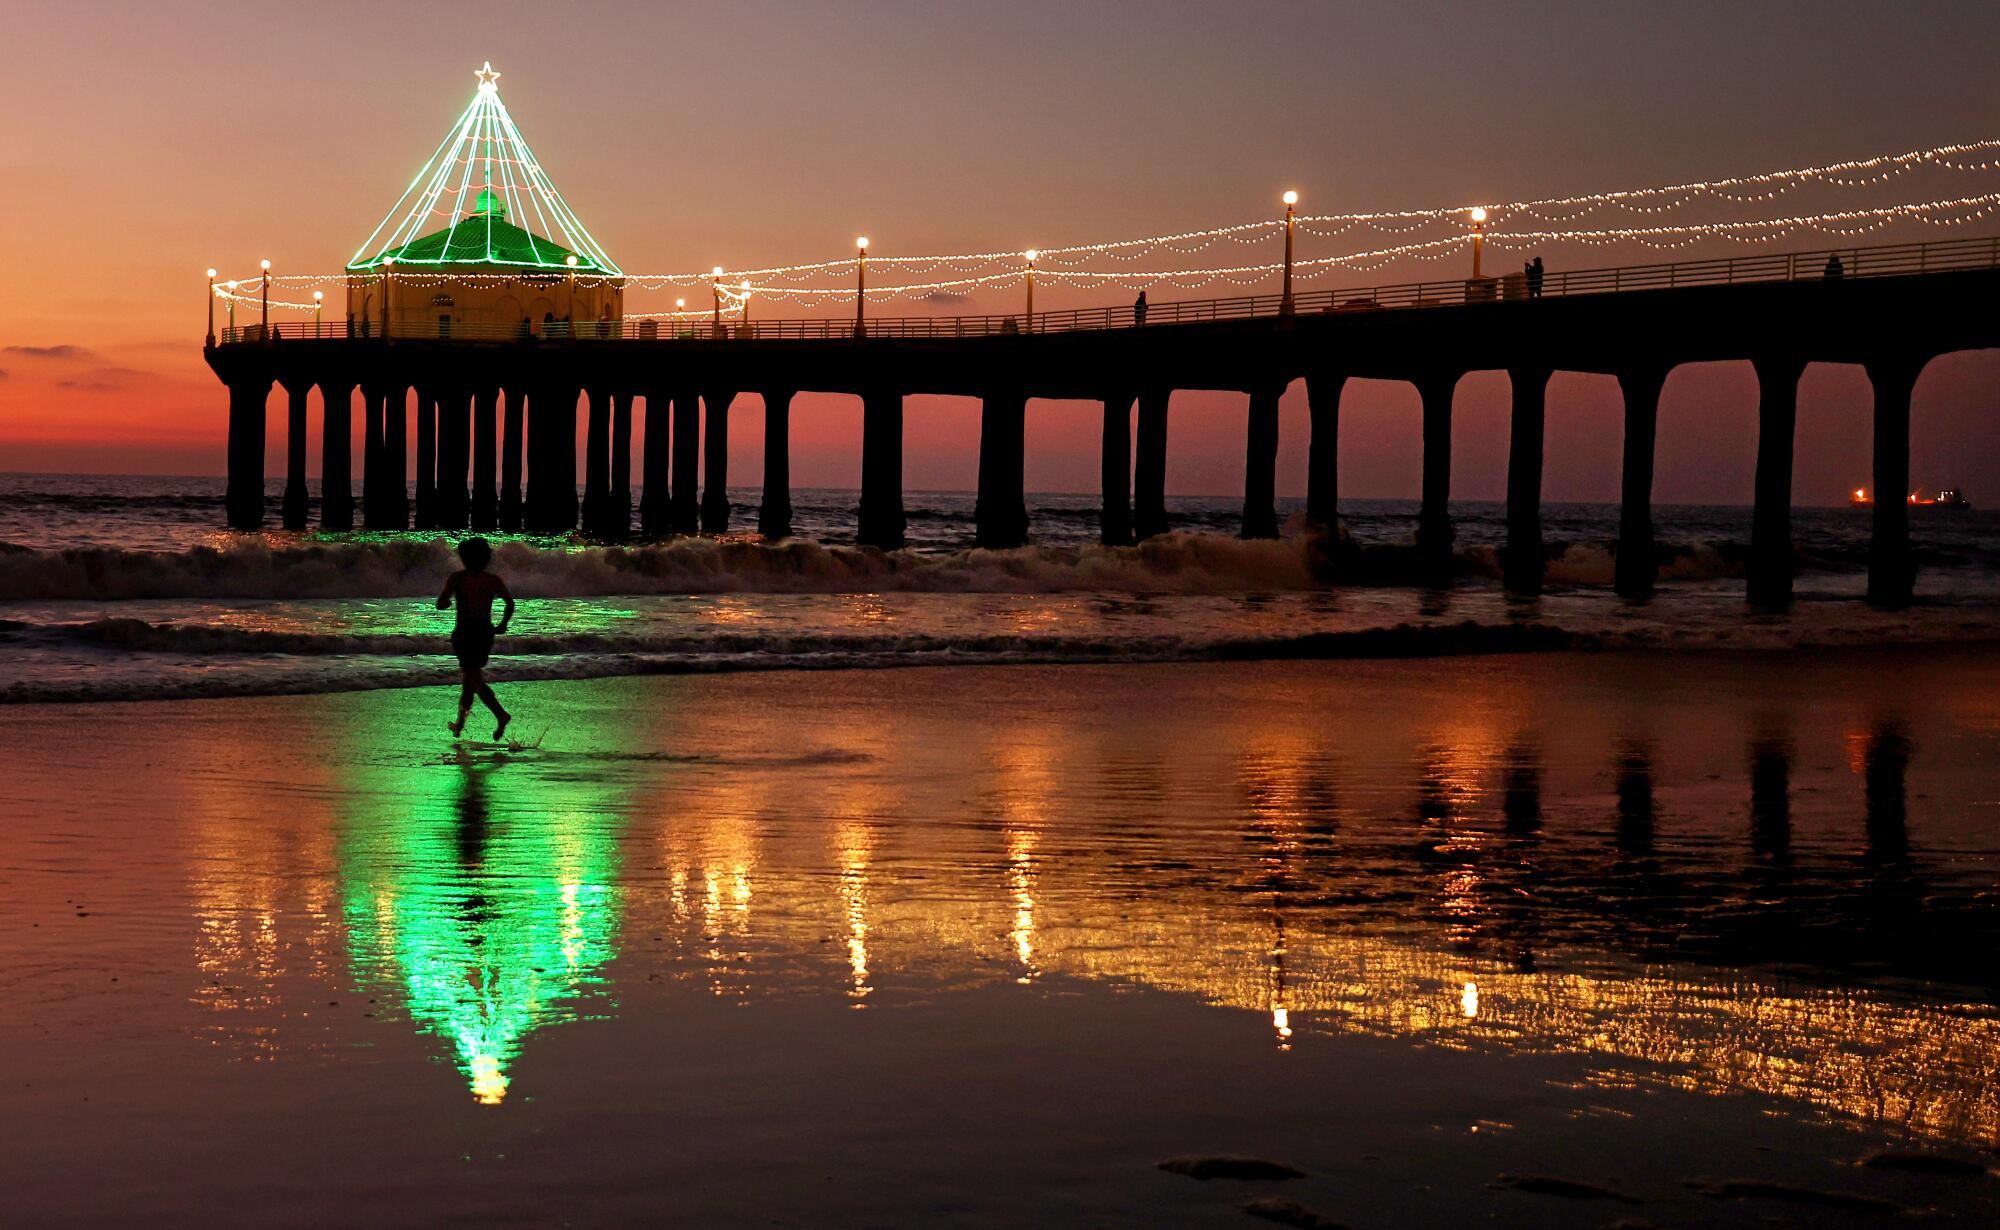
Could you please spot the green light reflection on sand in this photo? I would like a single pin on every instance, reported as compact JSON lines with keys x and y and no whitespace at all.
{"x":484,"y":896}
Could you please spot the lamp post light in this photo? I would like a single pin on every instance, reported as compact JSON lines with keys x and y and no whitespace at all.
{"x":1285,"y":307}
{"x":1030,"y":256}
{"x":744,"y":322}
{"x":319,"y":298}
{"x":861,"y":286}
{"x":265,"y":323}
{"x":211,"y":307}
{"x":715,"y":285}
{"x":1478,"y":232}
{"x":388,"y":286}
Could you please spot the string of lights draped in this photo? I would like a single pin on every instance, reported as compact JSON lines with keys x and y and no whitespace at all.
{"x":1510,"y":225}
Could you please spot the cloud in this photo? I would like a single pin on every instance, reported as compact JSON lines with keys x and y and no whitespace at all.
{"x":946,"y":296}
{"x":64,"y":352}
{"x":100,"y":379}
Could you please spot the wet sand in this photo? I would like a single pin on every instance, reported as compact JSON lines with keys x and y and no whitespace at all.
{"x":985,"y":946}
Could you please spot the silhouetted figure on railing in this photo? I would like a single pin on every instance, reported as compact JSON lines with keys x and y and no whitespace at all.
{"x":472,"y":590}
{"x":1834,"y":269}
{"x":1139,"y":309}
{"x":1534,"y":272}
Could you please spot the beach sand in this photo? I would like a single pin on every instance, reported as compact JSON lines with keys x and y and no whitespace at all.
{"x":985,"y":946}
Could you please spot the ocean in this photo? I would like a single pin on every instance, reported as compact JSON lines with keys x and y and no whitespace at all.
{"x":123,"y":588}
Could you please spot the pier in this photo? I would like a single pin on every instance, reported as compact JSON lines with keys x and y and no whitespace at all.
{"x":495,"y":410}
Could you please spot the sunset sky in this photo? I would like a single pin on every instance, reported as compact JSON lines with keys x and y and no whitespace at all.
{"x":146,"y":142}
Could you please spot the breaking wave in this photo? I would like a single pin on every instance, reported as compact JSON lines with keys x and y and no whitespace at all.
{"x":1179,"y":563}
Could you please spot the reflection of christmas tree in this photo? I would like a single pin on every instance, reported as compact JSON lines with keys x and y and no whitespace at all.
{"x":489,"y":927}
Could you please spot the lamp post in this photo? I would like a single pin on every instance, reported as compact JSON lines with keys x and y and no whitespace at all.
{"x":715,"y":285}
{"x":388,"y":285}
{"x":1478,"y":232}
{"x":744,"y":322}
{"x":319,"y":297}
{"x":1030,"y":256}
{"x":211,"y":307}
{"x":265,"y":323}
{"x":231,"y":288}
{"x":1285,"y":307}
{"x":861,"y":286}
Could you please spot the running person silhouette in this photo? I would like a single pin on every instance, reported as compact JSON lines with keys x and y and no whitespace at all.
{"x":473,"y":590}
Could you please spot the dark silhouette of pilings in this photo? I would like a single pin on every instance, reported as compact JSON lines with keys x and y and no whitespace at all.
{"x":293,"y":505}
{"x":1260,"y":463}
{"x":1521,"y":562}
{"x":336,"y":459}
{"x":1114,"y":524}
{"x":512,"y":441}
{"x":1323,"y":390}
{"x":1637,"y":567}
{"x":1000,"y":513}
{"x":1892,"y":573}
{"x":1434,"y":531}
{"x":485,"y":511}
{"x":774,"y":514}
{"x":453,"y":506}
{"x":881,"y":509}
{"x":243,"y":496}
{"x":597,"y":461}
{"x":657,"y":484}
{"x":687,"y":462}
{"x":424,"y":508}
{"x":1770,"y":580}
{"x":715,"y":463}
{"x":1149,"y":467}
{"x":552,"y":460}
{"x":618,"y":507}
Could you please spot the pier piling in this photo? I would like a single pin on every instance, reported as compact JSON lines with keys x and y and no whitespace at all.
{"x":1637,"y":566}
{"x":1260,"y":469}
{"x":597,"y":461}
{"x":618,"y":506}
{"x":511,"y":443}
{"x":1522,"y":564}
{"x":396,"y":458}
{"x":1115,"y":521}
{"x":243,"y":497}
{"x":880,"y":516}
{"x":374,"y":406}
{"x":450,"y":506}
{"x":687,"y":462}
{"x":1323,"y":390}
{"x":1770,"y":580}
{"x":1434,"y":532}
{"x":1000,"y":514}
{"x":1892,"y":572}
{"x":425,"y":507}
{"x":485,"y":512}
{"x":715,"y":463}
{"x":774,"y":514}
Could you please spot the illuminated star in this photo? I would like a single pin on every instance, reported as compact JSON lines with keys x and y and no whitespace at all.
{"x":488,"y":79}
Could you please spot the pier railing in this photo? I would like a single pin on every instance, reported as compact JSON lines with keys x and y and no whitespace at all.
{"x":1813,"y":265}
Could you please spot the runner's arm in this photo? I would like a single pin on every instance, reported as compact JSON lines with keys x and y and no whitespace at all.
{"x":507,"y":611}
{"x":450,"y":587}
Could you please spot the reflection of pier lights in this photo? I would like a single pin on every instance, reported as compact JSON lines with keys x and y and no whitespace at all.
{"x":1281,"y":1016}
{"x":856,"y":842}
{"x":1021,"y":881}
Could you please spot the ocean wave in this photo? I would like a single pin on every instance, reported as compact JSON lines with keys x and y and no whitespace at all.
{"x":335,"y":664}
{"x":1177,"y":563}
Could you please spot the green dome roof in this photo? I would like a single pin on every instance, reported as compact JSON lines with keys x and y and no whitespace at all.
{"x":486,"y":239}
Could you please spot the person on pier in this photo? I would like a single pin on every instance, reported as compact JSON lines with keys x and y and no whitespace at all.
{"x":472,"y":590}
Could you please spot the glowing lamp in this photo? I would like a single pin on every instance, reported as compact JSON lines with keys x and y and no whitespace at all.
{"x":862,"y":243}
{"x":389,"y":260}
{"x":1478,"y":214}
{"x":211,"y":273}
{"x":680,"y":303}
{"x":230,"y":285}
{"x":1291,"y":198}
{"x":571,"y":261}
{"x":318,"y":295}
{"x":746,"y":286}
{"x":264,"y":265}
{"x":715,"y":272}
{"x":1031,"y":254}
